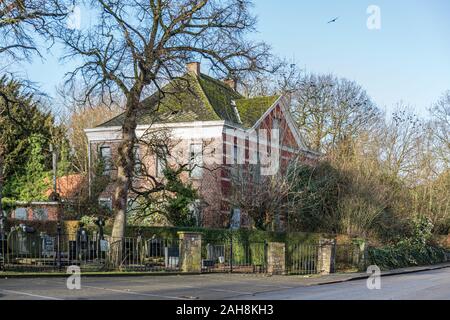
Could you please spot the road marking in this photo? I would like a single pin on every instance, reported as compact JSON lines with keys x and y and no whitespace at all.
{"x":30,"y":294}
{"x":135,"y":293}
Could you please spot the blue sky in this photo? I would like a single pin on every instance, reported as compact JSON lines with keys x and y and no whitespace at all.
{"x":408,"y":59}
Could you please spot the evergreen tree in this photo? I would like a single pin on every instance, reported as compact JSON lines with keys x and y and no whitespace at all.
{"x":25,"y":131}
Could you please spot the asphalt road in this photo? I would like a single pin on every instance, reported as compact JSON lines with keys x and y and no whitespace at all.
{"x":424,"y":285}
{"x":430,"y":285}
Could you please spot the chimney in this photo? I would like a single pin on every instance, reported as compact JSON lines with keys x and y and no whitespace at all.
{"x":231,"y":83}
{"x":193,"y":67}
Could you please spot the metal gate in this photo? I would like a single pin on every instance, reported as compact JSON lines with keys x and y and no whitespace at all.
{"x":235,"y":256}
{"x":301,"y":258}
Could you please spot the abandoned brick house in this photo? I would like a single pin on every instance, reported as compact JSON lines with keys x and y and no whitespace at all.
{"x":201,"y":115}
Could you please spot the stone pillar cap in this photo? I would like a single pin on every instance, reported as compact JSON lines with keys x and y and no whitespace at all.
{"x":327,"y":241}
{"x":189,"y":232}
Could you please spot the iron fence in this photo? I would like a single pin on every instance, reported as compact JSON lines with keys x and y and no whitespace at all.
{"x":234,"y":256}
{"x":141,"y":254}
{"x":301,"y":258}
{"x":43,"y":252}
{"x":2,"y":252}
{"x":23,"y":251}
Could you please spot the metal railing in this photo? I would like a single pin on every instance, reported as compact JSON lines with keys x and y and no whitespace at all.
{"x":2,"y":253}
{"x":301,"y":258}
{"x":234,"y":256}
{"x":43,"y":252}
{"x":143,"y":254}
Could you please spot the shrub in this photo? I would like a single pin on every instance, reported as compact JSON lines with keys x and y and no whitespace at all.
{"x":412,"y":251}
{"x":405,"y":255}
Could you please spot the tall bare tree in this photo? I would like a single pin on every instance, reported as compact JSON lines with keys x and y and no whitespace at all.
{"x":401,"y":142}
{"x":330,"y":109}
{"x":81,"y":118}
{"x":440,"y":114}
{"x":22,"y":20}
{"x":136,"y":46}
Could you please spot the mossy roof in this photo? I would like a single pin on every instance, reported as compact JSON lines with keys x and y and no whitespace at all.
{"x":251,"y":110}
{"x":197,"y":98}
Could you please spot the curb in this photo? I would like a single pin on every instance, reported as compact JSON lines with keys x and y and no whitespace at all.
{"x":349,"y":277}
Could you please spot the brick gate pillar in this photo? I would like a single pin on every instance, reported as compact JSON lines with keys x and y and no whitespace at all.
{"x":276,"y":258}
{"x":326,"y":256}
{"x":190,"y":252}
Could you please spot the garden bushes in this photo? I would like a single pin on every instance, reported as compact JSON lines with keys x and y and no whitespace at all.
{"x":404,"y":255}
{"x":218,"y":235}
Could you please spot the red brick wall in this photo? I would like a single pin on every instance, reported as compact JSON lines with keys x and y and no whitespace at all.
{"x":215,"y":186}
{"x":287,"y":140}
{"x":54,"y":211}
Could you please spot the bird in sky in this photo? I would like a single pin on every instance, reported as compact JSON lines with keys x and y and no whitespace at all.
{"x":333,"y":20}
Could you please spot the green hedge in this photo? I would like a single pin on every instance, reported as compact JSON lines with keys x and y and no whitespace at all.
{"x":225,"y":234}
{"x":215,"y":235}
{"x":403,"y":256}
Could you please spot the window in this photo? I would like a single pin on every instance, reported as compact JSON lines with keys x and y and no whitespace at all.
{"x":137,"y":160}
{"x":20,"y":214}
{"x":236,"y":219}
{"x":235,"y":154}
{"x":105,"y":203}
{"x":160,"y":166}
{"x":106,"y":157}
{"x":40,"y":214}
{"x":196,"y":160}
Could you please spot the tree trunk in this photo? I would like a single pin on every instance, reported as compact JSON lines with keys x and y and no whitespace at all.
{"x":2,"y":158}
{"x":125,"y":165}
{"x":2,"y":216}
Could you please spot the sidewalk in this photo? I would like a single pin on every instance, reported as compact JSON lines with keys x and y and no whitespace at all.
{"x":311,"y":280}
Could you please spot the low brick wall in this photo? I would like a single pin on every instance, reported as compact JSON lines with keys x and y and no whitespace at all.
{"x":37,"y":211}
